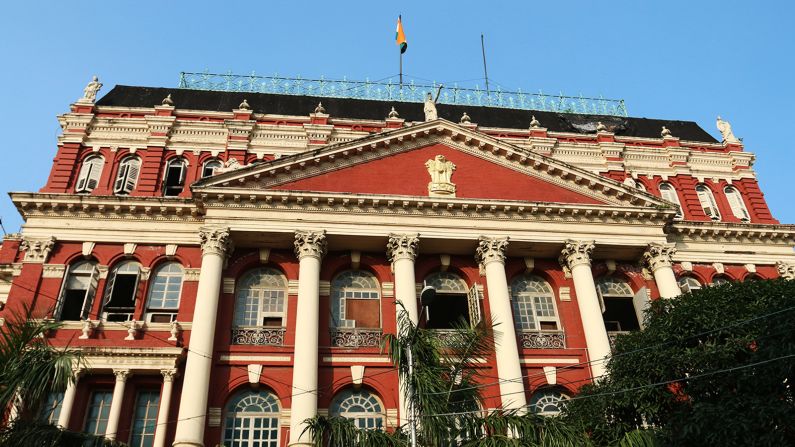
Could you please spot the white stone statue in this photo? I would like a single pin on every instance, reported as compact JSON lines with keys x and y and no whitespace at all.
{"x":430,"y":105}
{"x":230,"y":165}
{"x":441,"y":169}
{"x":726,"y":131}
{"x":90,"y":92}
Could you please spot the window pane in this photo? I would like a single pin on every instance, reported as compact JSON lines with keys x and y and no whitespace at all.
{"x":145,"y":419}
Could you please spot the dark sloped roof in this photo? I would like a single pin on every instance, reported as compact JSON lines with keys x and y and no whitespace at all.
{"x":130,"y":96}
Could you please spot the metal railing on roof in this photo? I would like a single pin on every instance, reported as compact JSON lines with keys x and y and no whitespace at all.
{"x":389,"y":90}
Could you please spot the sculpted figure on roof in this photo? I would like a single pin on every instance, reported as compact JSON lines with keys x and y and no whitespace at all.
{"x":726,"y":131}
{"x":90,"y":92}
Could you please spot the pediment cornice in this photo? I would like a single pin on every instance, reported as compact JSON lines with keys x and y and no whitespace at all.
{"x":334,"y":157}
{"x":734,"y":232}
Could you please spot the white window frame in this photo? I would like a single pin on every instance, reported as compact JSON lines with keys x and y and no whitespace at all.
{"x":626,"y":293}
{"x":668,"y":192}
{"x":90,"y":293}
{"x":528,"y":297}
{"x":554,"y":396}
{"x":341,"y":293}
{"x":168,"y":311}
{"x":374,"y":416}
{"x":452,"y":284}
{"x":103,"y":416}
{"x":122,"y":268}
{"x":127,"y":176}
{"x":707,"y":200}
{"x":248,"y":438}
{"x":209,"y":162}
{"x":90,"y":173}
{"x":689,"y":283}
{"x":242,"y":302}
{"x":736,"y":203}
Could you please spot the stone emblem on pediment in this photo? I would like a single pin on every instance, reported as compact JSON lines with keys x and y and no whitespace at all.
{"x":441,"y":172}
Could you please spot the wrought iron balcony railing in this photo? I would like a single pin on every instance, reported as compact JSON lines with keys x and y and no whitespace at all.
{"x":264,"y":336}
{"x":542,"y":340}
{"x":408,"y":92}
{"x":355,"y":338}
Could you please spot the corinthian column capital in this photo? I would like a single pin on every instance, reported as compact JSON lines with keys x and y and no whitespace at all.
{"x":658,"y":255}
{"x":216,"y":240}
{"x":403,"y":246}
{"x":37,"y":249}
{"x":786,"y":270}
{"x":575,"y":253}
{"x":490,"y":249}
{"x":310,"y":243}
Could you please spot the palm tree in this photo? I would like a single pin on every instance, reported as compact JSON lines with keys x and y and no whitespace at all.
{"x":447,"y":398}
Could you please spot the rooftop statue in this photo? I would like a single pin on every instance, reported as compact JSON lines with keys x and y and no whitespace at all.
{"x":90,"y":92}
{"x":430,"y":105}
{"x":726,"y":131}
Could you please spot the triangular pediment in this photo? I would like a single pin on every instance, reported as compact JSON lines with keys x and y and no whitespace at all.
{"x":393,"y":163}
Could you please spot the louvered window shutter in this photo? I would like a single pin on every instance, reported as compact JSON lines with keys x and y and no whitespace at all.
{"x":90,"y":292}
{"x":121,"y":177}
{"x":132,"y":175}
{"x":473,"y":298}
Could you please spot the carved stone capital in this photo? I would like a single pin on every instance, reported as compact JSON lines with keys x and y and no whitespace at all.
{"x":575,"y":253}
{"x":37,"y":249}
{"x":786,"y":270}
{"x":403,"y":246}
{"x":490,"y":249}
{"x":658,"y":255}
{"x":122,"y":374}
{"x":310,"y":243}
{"x":168,"y":374}
{"x":216,"y":240}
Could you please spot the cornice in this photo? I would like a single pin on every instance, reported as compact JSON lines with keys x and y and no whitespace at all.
{"x":110,"y":207}
{"x":733,"y":232}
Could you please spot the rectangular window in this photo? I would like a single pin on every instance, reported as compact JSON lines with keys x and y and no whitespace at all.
{"x":51,"y":408}
{"x":145,"y":419}
{"x":98,"y":411}
{"x":535,"y":313}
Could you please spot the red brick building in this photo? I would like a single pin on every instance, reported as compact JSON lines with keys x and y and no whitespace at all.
{"x":229,"y":261}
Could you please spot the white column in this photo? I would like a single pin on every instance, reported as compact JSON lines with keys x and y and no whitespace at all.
{"x":402,"y":250}
{"x":165,"y":405}
{"x":576,"y":259}
{"x":490,"y":254}
{"x":216,"y":245}
{"x":115,"y":405}
{"x":68,"y":402}
{"x":657,"y":258}
{"x":309,"y":248}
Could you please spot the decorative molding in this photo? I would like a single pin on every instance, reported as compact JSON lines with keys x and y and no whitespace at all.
{"x":786,"y":270}
{"x":324,"y":288}
{"x":254,"y":372}
{"x":106,"y":207}
{"x":718,"y":266}
{"x":658,"y":255}
{"x":260,"y":336}
{"x":264,"y":255}
{"x":145,"y":273}
{"x":402,"y":246}
{"x":355,"y":338}
{"x":88,"y":329}
{"x":720,"y":232}
{"x":171,"y":250}
{"x":565,"y":293}
{"x":191,"y":274}
{"x":88,"y":248}
{"x":751,"y":268}
{"x":37,"y":249}
{"x":490,"y":249}
{"x":216,"y":240}
{"x":228,"y":285}
{"x":169,"y":374}
{"x":575,"y":253}
{"x":53,"y":271}
{"x":387,"y":289}
{"x":542,"y":340}
{"x":686,"y":266}
{"x":129,"y":249}
{"x":310,"y":243}
{"x":122,"y":374}
{"x":292,"y":287}
{"x":214,"y":416}
{"x":357,"y":374}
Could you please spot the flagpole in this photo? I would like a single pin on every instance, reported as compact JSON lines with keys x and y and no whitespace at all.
{"x":401,"y":68}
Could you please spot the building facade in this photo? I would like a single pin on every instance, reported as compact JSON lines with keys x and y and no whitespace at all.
{"x":229,"y":262}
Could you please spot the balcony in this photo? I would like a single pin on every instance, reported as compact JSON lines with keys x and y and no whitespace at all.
{"x":261,"y":336}
{"x":355,"y":338}
{"x":542,"y":340}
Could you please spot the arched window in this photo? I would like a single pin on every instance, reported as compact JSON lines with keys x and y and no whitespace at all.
{"x":360,"y":406}
{"x":77,"y":292}
{"x":668,"y":192}
{"x":707,"y":202}
{"x":88,"y":178}
{"x":454,"y":302}
{"x":618,"y":308}
{"x":120,"y":291}
{"x":548,"y":401}
{"x":174,"y":179}
{"x":720,"y":280}
{"x":260,"y":299}
{"x":533,"y":304}
{"x":752,"y":277}
{"x":127,"y":176}
{"x":165,"y":287}
{"x":355,"y":300}
{"x":736,"y":203}
{"x":688,"y":284}
{"x":251,"y":419}
{"x":209,"y":167}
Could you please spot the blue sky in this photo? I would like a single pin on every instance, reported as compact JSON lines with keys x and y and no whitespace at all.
{"x":686,"y":60}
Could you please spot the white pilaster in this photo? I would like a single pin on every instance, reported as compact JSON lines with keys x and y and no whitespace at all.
{"x":576,"y":258}
{"x":658,"y":259}
{"x":216,"y":245}
{"x":165,"y":405}
{"x":402,"y":251}
{"x":490,"y":254}
{"x":310,"y":247}
{"x":115,"y":405}
{"x":68,"y":403}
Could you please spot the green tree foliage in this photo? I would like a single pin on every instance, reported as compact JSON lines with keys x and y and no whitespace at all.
{"x":714,"y":367}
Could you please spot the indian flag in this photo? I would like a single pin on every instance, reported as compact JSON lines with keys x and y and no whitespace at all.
{"x":400,"y":37}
